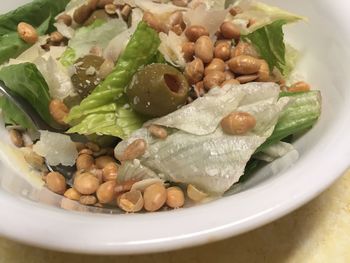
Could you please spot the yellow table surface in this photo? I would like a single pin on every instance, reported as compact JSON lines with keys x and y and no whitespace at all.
{"x":318,"y":232}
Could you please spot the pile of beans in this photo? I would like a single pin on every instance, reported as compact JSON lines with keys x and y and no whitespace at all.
{"x":95,"y":180}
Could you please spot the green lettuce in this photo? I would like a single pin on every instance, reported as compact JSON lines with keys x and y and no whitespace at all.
{"x":26,"y":81}
{"x":269,"y":42}
{"x":106,"y":111}
{"x":39,"y":13}
{"x":12,"y":114}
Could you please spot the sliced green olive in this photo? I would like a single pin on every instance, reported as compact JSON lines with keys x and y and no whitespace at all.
{"x":157,"y":89}
{"x":99,"y":14}
{"x":85,"y":79}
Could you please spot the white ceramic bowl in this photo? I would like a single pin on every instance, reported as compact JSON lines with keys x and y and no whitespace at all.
{"x":325,"y":154}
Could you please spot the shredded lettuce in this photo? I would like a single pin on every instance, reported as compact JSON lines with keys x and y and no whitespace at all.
{"x":106,"y":111}
{"x":214,"y":161}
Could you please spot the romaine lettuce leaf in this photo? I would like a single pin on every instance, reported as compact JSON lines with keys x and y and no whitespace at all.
{"x":98,"y":113}
{"x":212,"y":162}
{"x":26,"y":81}
{"x":12,"y":115}
{"x":269,"y":43}
{"x":34,"y":13}
{"x":39,"y":13}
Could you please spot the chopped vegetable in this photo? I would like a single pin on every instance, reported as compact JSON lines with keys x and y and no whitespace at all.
{"x":26,"y":81}
{"x":102,"y":112}
{"x":39,"y":13}
{"x":301,"y":114}
{"x":269,"y":43}
{"x":212,"y":162}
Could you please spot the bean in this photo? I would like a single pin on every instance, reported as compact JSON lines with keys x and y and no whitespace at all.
{"x":110,"y":9}
{"x":84,"y":162}
{"x":124,"y":186}
{"x":72,"y":194}
{"x":56,"y":37}
{"x":264,"y":72}
{"x":223,"y":51}
{"x":98,"y":173}
{"x":27,"y":33}
{"x":79,"y":146}
{"x":238,"y":123}
{"x":16,"y":138}
{"x":102,"y":161}
{"x":110,"y":172}
{"x":188,"y":50}
{"x":177,"y":29}
{"x":215,"y":65}
{"x":300,"y":86}
{"x":34,"y":160}
{"x":153,"y":21}
{"x":125,"y":12}
{"x":244,"y":48}
{"x":158,"y":132}
{"x":154,"y":197}
{"x":182,"y":3}
{"x":199,"y":89}
{"x":229,"y":75}
{"x":82,"y":13}
{"x":194,"y":32}
{"x":247,"y":78}
{"x":204,"y":49}
{"x":230,"y":82}
{"x":105,"y":193}
{"x":244,"y":64}
{"x":131,"y":202}
{"x":56,"y":182}
{"x":134,"y":150}
{"x":229,"y":30}
{"x":176,"y":18}
{"x":87,"y":200}
{"x":175,"y":197}
{"x":93,"y":146}
{"x":195,"y":194}
{"x":194,"y":71}
{"x":86,"y":183}
{"x":58,"y":110}
{"x":235,"y":11}
{"x":85,"y":151}
{"x":214,"y":79}
{"x":66,"y":19}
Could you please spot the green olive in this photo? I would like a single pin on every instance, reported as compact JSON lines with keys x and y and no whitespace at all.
{"x":99,"y":14}
{"x":157,"y":89}
{"x":85,"y":79}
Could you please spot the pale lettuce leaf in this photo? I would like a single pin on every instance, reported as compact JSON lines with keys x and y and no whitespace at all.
{"x":215,"y":161}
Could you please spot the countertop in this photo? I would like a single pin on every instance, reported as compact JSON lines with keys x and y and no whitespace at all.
{"x":318,"y":232}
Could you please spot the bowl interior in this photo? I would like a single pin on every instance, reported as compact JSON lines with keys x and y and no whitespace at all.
{"x":270,"y":193}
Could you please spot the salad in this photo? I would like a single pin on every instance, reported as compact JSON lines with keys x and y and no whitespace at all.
{"x":176,"y":101}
